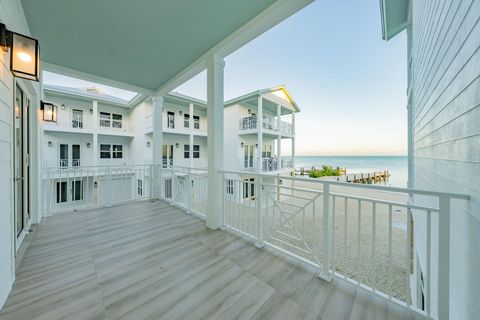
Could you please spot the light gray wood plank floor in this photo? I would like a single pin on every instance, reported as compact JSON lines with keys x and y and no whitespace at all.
{"x":149,"y":260}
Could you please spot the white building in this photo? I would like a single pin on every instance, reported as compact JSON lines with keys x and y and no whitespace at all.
{"x":443,"y":99}
{"x":94,"y":131}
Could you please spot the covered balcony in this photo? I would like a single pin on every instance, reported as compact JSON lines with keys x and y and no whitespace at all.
{"x":150,"y":259}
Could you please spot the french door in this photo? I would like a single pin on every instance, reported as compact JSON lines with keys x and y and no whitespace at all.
{"x":21,"y":159}
{"x":167,"y":155}
{"x":248,"y":150}
{"x":67,"y":152}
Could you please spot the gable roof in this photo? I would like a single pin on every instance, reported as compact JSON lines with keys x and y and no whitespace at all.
{"x":253,"y":94}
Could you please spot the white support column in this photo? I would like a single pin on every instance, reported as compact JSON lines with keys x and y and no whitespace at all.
{"x":410,"y":146}
{"x":260,"y":133}
{"x":190,"y":124}
{"x":215,"y":111}
{"x":96,"y":155}
{"x":293,"y":140}
{"x":279,"y":137}
{"x":157,"y":146}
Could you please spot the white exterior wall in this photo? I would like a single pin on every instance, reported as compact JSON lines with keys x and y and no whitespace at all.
{"x":51,"y":154}
{"x":445,"y":87}
{"x":12,"y":15}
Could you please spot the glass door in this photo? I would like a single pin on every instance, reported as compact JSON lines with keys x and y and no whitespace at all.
{"x":19,"y":162}
{"x":63,"y":155}
{"x":21,"y":159}
{"x":167,"y":155}
{"x":248,"y":155}
{"x":77,"y":118}
{"x":75,"y":155}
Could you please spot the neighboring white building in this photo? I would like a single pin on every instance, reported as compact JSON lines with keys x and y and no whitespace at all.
{"x":443,"y":107}
{"x":95,"y":131}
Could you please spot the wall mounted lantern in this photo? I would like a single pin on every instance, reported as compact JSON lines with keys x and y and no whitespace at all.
{"x":176,"y":145}
{"x":24,"y":54}
{"x":49,"y":111}
{"x":148,"y":144}
{"x":50,"y":144}
{"x":62,"y":107}
{"x":91,"y":111}
{"x":88,"y":145}
{"x":241,"y":144}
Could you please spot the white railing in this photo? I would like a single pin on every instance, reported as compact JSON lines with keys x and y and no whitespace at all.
{"x":77,"y":121}
{"x":268,"y":164}
{"x":360,"y":233}
{"x":268,"y":123}
{"x":186,"y":188}
{"x":73,"y":188}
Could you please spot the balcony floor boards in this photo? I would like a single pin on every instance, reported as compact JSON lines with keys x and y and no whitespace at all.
{"x":149,"y":260}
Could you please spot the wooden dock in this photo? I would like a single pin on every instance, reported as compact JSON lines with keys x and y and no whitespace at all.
{"x":369,"y":178}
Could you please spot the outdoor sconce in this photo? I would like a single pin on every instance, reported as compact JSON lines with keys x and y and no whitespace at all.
{"x":88,"y":145}
{"x":241,"y":144}
{"x":256,"y":145}
{"x":91,"y":111}
{"x":24,"y":54}
{"x":148,"y":144}
{"x":62,"y":107}
{"x":49,"y":144}
{"x":180,"y":112}
{"x":49,"y":111}
{"x":176,"y":145}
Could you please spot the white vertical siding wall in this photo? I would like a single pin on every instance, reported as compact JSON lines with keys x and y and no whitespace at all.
{"x":446,"y":105}
{"x":11,"y":14}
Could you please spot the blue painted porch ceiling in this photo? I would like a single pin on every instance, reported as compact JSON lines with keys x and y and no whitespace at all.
{"x":143,"y":43}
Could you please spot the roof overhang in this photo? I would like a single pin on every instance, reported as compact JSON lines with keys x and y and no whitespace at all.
{"x":285,"y":99}
{"x":394,"y":14}
{"x":149,"y":46}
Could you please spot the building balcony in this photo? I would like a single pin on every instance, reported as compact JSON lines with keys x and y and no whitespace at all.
{"x":270,"y":124}
{"x":152,"y":260}
{"x":268,"y":164}
{"x":355,"y":238}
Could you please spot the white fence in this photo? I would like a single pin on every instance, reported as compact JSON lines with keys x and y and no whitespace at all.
{"x":360,"y":233}
{"x":268,"y":164}
{"x":268,"y":123}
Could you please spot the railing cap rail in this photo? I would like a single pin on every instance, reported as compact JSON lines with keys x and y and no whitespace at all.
{"x":361,"y":186}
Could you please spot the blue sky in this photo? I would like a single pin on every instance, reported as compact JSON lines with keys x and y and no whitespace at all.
{"x":348,"y":82}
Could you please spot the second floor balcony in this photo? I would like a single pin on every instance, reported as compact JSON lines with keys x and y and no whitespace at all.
{"x":268,"y":123}
{"x":268,"y":164}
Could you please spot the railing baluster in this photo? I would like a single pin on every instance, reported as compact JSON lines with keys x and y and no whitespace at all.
{"x":429,"y":247}
{"x":444,"y":258}
{"x":326,"y":231}
{"x":374,"y":238}
{"x":345,"y":250}
{"x":390,"y":225}
{"x":334,"y":213}
{"x":409,"y":302}
{"x":259,"y":235}
{"x":359,"y":233}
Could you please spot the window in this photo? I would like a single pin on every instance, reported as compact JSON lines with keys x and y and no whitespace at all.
{"x":63,"y":155}
{"x":77,"y":190}
{"x":117,"y":151}
{"x":108,"y":151}
{"x":61,"y":192}
{"x":186,"y":120}
{"x":249,"y":188}
{"x":140,"y":187}
{"x":196,"y":151}
{"x":171,"y":120}
{"x":117,"y":121}
{"x":111,"y":120}
{"x":105,"y":151}
{"x":267,"y":151}
{"x":196,"y":122}
{"x":229,"y":186}
{"x":104,"y":119}
{"x":77,"y":118}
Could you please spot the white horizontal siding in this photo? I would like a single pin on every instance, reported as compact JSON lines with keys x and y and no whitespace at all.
{"x":446,"y":108}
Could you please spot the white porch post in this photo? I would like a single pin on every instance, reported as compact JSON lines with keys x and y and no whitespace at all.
{"x":215,"y":97}
{"x":190,"y":124}
{"x":279,"y":138}
{"x":157,"y":145}
{"x":293,"y":140}
{"x":96,"y":155}
{"x":260,"y":132}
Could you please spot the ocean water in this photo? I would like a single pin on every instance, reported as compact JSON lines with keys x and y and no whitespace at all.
{"x":396,"y":165}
